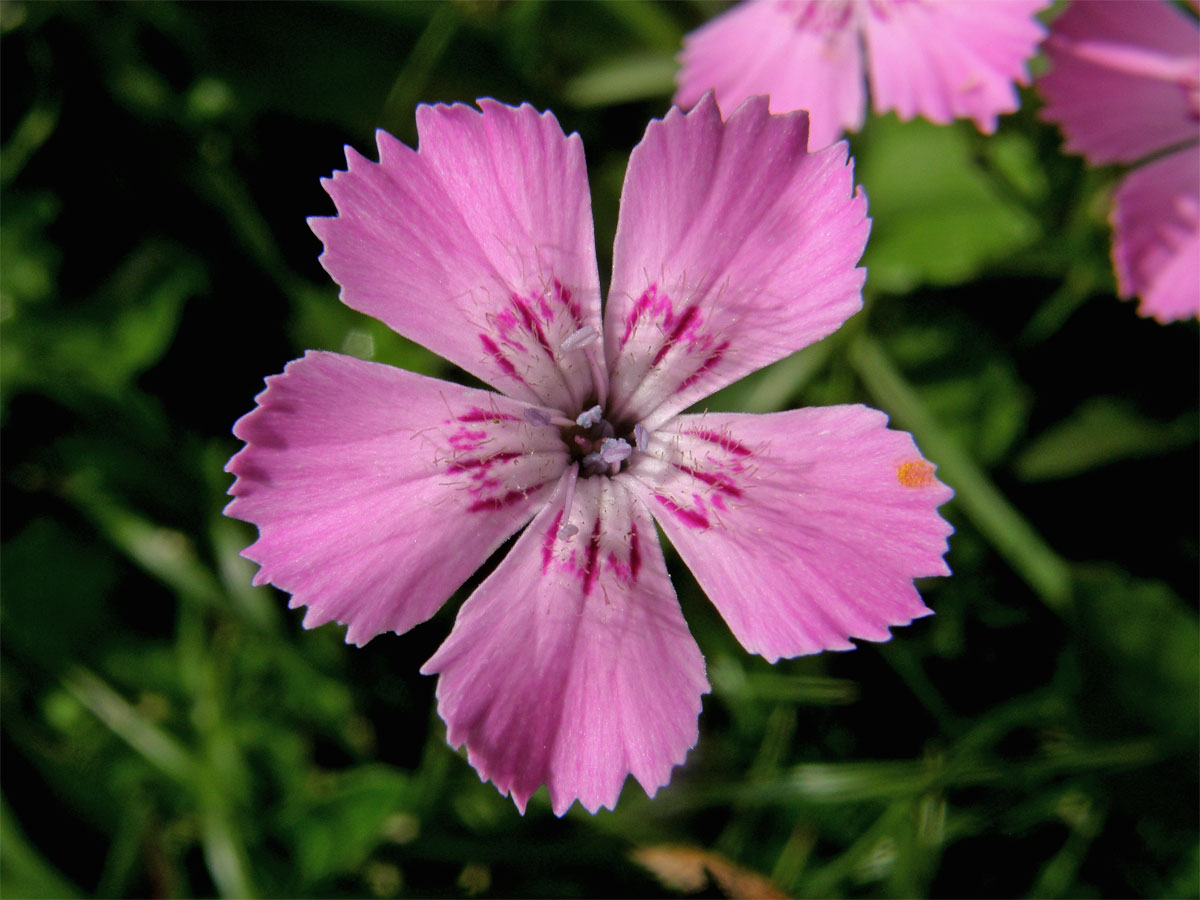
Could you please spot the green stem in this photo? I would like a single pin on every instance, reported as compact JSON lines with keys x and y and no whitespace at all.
{"x":160,"y":749}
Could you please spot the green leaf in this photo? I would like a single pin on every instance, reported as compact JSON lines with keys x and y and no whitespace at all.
{"x":1102,"y":430}
{"x":731,"y":681}
{"x":1139,"y":653}
{"x":72,"y":597}
{"x":623,"y":80}
{"x":24,"y":873}
{"x":345,"y":817}
{"x":101,"y":344}
{"x":937,"y":217}
{"x":31,"y":261}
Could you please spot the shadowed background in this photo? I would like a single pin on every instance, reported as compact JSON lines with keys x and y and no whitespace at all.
{"x":170,"y":731}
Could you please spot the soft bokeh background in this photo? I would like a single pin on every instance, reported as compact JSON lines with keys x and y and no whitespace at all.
{"x":170,"y":731}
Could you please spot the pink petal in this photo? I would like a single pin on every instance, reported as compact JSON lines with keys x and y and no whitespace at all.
{"x":1124,"y":78}
{"x":1156,"y":236}
{"x":948,"y":60}
{"x":805,"y":528}
{"x":805,"y":56}
{"x":571,"y":666}
{"x":479,"y":245}
{"x":377,"y":492}
{"x":734,"y":248}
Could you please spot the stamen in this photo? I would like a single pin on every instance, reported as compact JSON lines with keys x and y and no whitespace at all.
{"x":615,"y":451}
{"x":589,"y":417}
{"x":584,"y":337}
{"x":568,"y":531}
{"x":599,"y":380}
{"x":641,"y":437}
{"x":536,"y":416}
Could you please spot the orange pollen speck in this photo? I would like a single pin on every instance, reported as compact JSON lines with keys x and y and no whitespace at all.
{"x":915,"y":473}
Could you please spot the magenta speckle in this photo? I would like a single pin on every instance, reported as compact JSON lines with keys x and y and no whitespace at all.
{"x":590,"y":567}
{"x":724,"y":441}
{"x":649,"y":304}
{"x":493,"y":504}
{"x":501,"y":360}
{"x":532,"y":325}
{"x":564,"y":296}
{"x":463,"y":465}
{"x":722,"y":483}
{"x":618,"y":566}
{"x":475,"y":414}
{"x":683,"y":327}
{"x":466,"y":439}
{"x":507,"y":323}
{"x":713,"y":358}
{"x":690,"y":517}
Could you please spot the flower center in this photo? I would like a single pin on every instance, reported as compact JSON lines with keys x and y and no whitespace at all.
{"x":596,"y":445}
{"x":599,"y":446}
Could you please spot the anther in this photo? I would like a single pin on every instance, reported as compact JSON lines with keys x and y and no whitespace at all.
{"x":584,"y":337}
{"x":535,"y":416}
{"x":589,"y":417}
{"x":568,"y":531}
{"x":641,"y":437}
{"x":615,"y":451}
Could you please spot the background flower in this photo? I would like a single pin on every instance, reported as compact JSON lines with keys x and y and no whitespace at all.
{"x":940,"y":60}
{"x":1124,"y":85}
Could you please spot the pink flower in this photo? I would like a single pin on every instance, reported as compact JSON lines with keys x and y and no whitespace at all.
{"x":1124,"y":83}
{"x":940,"y":59}
{"x":377,"y":492}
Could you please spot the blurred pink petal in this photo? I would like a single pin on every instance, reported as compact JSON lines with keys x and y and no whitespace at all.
{"x":479,"y":246}
{"x":1124,"y":84}
{"x":939,"y":59}
{"x":947,"y":60}
{"x":734,"y":248}
{"x":805,"y":528}
{"x":1124,"y":78}
{"x":1156,"y":236}
{"x":801,"y":58}
{"x":571,"y":666}
{"x":377,"y":491}
{"x":363,"y":478}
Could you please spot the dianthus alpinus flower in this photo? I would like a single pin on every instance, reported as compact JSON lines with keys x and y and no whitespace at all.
{"x":377,"y":491}
{"x":941,"y":59}
{"x":1124,"y":86}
